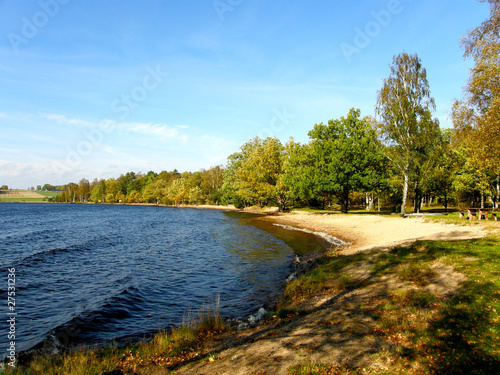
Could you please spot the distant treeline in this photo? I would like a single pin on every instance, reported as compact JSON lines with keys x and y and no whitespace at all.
{"x":344,"y":165}
{"x":400,"y":155}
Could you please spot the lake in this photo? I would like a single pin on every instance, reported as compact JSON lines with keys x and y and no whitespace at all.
{"x":89,"y":274}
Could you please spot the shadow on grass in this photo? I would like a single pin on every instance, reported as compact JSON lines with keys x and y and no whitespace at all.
{"x":463,"y":335}
{"x":462,"y":340}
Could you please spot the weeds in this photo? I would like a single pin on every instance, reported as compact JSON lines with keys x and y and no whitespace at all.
{"x":418,"y":273}
{"x":317,"y":368}
{"x":165,"y":349}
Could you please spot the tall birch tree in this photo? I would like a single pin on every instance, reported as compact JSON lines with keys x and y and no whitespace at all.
{"x":404,"y":107}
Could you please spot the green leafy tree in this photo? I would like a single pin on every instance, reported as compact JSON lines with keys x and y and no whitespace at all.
{"x":212,"y":183}
{"x":84,"y":190}
{"x":405,"y":106}
{"x":342,"y":156}
{"x":98,"y":194}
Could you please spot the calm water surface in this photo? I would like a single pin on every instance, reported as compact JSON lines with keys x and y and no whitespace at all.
{"x":94,"y":273}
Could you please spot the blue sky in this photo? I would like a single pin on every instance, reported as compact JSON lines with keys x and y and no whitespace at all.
{"x":93,"y":89}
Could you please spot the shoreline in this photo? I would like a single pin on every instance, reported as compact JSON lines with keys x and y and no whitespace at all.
{"x":359,"y":231}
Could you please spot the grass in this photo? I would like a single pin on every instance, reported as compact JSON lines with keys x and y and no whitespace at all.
{"x":317,"y":368}
{"x":449,"y":336}
{"x":458,"y":334}
{"x":46,"y":199}
{"x":325,"y":276}
{"x":166,"y":350}
{"x":27,"y":196}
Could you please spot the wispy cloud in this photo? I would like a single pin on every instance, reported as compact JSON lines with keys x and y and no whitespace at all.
{"x":157,"y":130}
{"x":61,"y":119}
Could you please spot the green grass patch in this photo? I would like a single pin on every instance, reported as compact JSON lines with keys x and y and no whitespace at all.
{"x":445,"y":336}
{"x":430,"y":335}
{"x":317,"y":368}
{"x":415,"y":298}
{"x":325,"y":276}
{"x":418,"y":273}
{"x":46,"y":199}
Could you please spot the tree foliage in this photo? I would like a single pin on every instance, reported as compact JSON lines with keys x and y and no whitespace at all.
{"x":405,"y":106}
{"x":344,"y":156}
{"x":476,"y":117}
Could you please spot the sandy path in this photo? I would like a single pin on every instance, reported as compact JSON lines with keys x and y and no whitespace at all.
{"x":364,"y":232}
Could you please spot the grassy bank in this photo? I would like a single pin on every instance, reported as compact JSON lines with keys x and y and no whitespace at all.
{"x":428,"y":332}
{"x":167,"y":350}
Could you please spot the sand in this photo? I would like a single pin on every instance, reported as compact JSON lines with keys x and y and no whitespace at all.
{"x":363,"y":232}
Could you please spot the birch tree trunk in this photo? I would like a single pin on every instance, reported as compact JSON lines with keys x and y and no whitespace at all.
{"x":498,"y":192}
{"x":406,"y":184}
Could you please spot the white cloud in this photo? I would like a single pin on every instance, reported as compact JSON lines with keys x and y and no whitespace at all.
{"x":156,"y":130}
{"x":61,"y":119}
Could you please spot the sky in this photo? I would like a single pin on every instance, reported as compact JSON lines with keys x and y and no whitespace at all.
{"x":95,"y":89}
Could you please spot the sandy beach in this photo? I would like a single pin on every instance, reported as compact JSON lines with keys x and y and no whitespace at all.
{"x":363,"y":232}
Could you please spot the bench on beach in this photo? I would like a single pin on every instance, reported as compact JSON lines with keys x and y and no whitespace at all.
{"x":478,"y":214}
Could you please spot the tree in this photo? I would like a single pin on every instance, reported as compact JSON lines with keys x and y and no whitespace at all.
{"x":212,"y":183}
{"x":343,"y":156}
{"x":297,"y":169}
{"x":259,"y":172}
{"x":405,"y":105}
{"x":98,"y":193}
{"x":4,"y":187}
{"x":438,"y":181}
{"x":84,"y":190}
{"x":476,"y":117}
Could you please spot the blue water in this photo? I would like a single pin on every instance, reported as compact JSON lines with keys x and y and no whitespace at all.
{"x":89,"y":274}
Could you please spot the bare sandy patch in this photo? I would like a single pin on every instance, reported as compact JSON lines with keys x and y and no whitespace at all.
{"x":363,"y":232}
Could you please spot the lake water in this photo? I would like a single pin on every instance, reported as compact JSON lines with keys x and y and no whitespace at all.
{"x":95,"y":273}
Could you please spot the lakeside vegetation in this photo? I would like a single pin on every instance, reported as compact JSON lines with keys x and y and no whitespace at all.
{"x":402,"y":155}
